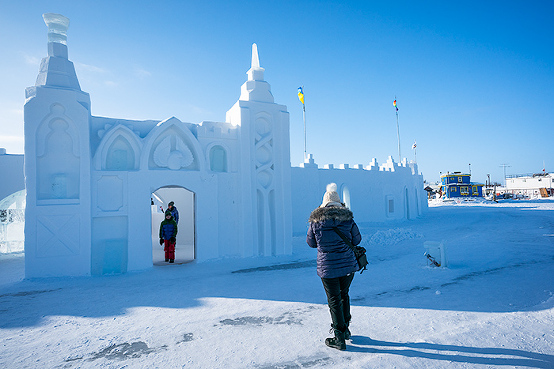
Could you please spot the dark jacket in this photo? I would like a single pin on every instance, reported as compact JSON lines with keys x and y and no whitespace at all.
{"x":168,"y":229}
{"x":334,"y":257}
{"x":174,"y":213}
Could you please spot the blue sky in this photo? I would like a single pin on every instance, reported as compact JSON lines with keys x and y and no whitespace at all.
{"x":474,"y":80}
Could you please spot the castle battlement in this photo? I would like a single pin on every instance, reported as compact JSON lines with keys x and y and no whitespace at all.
{"x":217,"y":130}
{"x":389,"y":166}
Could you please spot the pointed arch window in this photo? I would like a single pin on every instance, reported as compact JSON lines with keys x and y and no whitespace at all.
{"x":120,"y":155}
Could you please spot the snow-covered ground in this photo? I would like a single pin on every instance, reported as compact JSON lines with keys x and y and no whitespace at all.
{"x":492,"y":307}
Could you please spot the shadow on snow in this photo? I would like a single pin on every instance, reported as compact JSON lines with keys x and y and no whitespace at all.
{"x":451,"y":353}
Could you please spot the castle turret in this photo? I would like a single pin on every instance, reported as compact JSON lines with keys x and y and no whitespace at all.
{"x":56,"y":70}
{"x":57,"y":164}
{"x":255,"y":88}
{"x":265,"y":164}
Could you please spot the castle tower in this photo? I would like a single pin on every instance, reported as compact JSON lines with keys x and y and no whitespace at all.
{"x":57,"y":164}
{"x":265,"y":166}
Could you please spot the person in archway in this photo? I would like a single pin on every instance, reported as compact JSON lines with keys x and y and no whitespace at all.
{"x":174,"y":213}
{"x":336,"y":262}
{"x":168,"y":234}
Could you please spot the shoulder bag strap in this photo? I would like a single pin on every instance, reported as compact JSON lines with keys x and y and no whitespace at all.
{"x":344,"y":238}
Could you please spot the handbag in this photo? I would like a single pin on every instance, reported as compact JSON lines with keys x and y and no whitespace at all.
{"x":359,"y":251}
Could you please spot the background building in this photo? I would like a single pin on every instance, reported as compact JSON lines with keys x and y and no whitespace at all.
{"x":459,"y":185}
{"x":530,"y":185}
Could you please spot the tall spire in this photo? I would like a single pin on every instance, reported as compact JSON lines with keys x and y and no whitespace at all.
{"x":256,"y":73}
{"x":256,"y":88}
{"x":255,"y":57}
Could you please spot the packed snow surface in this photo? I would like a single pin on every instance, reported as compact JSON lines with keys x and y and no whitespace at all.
{"x":491,"y":307}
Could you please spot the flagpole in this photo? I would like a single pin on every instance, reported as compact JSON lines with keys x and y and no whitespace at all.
{"x":301,"y":98}
{"x":304,"y":117}
{"x":398,"y":135}
{"x":398,"y":132}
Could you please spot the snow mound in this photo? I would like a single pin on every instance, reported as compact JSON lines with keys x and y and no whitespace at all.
{"x":391,"y":236}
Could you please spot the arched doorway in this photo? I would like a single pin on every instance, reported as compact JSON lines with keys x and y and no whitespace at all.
{"x":185,"y":249}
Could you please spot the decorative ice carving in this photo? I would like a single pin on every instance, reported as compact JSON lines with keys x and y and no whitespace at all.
{"x":265,"y":178}
{"x":263,"y":155}
{"x":110,"y":193}
{"x":176,"y":159}
{"x":57,"y":27}
{"x":58,"y":168}
{"x":218,"y":159}
{"x":59,"y":235}
{"x":107,"y":127}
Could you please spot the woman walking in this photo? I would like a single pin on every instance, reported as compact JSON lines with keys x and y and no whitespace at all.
{"x":336,"y":262}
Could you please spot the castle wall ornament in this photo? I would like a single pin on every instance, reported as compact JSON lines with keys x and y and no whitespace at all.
{"x":173,"y":153}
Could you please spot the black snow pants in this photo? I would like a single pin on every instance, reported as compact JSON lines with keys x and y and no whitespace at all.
{"x":338,"y":300}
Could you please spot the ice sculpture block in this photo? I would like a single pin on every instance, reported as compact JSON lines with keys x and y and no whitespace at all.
{"x":57,"y":27}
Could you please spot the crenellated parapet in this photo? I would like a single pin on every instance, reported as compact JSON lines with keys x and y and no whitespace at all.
{"x":217,"y":130}
{"x":389,"y":166}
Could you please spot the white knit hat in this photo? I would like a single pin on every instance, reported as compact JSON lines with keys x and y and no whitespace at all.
{"x":331,"y":197}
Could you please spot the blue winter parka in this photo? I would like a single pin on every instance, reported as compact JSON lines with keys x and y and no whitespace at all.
{"x":334,"y":257}
{"x":168,"y":229}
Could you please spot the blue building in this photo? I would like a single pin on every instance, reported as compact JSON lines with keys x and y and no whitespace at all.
{"x":459,"y":185}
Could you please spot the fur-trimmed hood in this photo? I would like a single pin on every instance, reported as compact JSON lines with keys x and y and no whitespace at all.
{"x":339,"y":213}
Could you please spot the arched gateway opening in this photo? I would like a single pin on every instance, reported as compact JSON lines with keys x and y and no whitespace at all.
{"x":185,"y":250}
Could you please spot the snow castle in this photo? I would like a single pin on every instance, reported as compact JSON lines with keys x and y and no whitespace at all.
{"x":90,"y":180}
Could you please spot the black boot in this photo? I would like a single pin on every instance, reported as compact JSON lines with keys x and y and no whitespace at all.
{"x":347,"y":333}
{"x":336,"y":342}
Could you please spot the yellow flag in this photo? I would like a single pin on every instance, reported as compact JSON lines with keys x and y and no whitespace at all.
{"x":301,"y":95}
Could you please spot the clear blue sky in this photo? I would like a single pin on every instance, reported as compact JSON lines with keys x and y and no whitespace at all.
{"x":474,"y":80}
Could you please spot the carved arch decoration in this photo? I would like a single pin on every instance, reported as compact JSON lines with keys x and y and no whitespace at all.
{"x":58,"y":165}
{"x":120,"y":149}
{"x":264,"y":149}
{"x":57,"y":114}
{"x":171,"y":145}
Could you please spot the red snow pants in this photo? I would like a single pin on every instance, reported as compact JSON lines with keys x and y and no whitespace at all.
{"x":169,"y":248}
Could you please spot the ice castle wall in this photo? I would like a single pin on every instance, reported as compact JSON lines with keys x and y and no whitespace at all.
{"x":90,"y":179}
{"x":392,"y":191}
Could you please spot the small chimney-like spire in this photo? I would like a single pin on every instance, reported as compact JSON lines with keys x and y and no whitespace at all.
{"x":56,"y":70}
{"x":57,"y":27}
{"x":255,"y":58}
{"x":57,"y":34}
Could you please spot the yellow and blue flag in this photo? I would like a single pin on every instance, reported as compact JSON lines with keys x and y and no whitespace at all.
{"x":301,"y":95}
